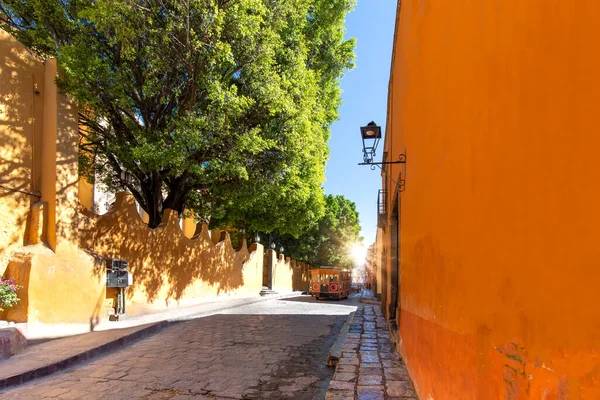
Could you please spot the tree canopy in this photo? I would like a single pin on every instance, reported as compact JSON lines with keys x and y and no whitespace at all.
{"x":222,"y":107}
{"x":328,"y":241}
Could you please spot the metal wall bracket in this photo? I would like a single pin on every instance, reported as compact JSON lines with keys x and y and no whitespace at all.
{"x":401,"y":160}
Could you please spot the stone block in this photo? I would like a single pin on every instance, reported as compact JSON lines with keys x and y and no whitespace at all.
{"x":370,"y":371}
{"x":11,"y":342}
{"x":396,"y":374}
{"x":399,"y":388}
{"x":370,"y":365}
{"x":350,"y":361}
{"x":370,"y":380}
{"x":339,"y":395}
{"x":369,"y":358}
{"x":341,"y":385}
{"x":344,"y":376}
{"x":391,"y":363}
{"x":369,"y":394}
{"x":346,"y":368}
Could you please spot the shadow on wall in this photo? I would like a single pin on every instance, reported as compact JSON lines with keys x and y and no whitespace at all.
{"x":301,"y":276}
{"x":21,"y":107}
{"x":166,"y":265}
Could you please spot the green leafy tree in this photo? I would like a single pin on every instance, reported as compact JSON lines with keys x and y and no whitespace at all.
{"x":219,"y":106}
{"x":328,"y":241}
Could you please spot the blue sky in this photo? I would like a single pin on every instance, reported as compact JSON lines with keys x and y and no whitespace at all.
{"x":364,"y":100}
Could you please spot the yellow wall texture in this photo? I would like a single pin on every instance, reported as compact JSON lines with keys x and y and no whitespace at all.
{"x":21,"y":108}
{"x":168,"y":267}
{"x":58,"y":288}
{"x":39,"y":195}
{"x":283,"y":274}
{"x":497,"y":105}
{"x":300,"y":276}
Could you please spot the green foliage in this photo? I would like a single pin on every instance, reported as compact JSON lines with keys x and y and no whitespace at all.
{"x":8,"y":293}
{"x":219,"y":106}
{"x":329,"y":240}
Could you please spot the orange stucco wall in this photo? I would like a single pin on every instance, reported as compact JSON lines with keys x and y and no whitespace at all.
{"x":497,"y":105}
{"x":168,"y":267}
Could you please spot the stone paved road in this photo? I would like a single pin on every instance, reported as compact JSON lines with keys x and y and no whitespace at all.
{"x":370,"y":368}
{"x":271,"y":350}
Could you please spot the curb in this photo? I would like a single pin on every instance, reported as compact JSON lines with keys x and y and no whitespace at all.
{"x":154,"y":327}
{"x":335,"y":353}
{"x":81,"y":357}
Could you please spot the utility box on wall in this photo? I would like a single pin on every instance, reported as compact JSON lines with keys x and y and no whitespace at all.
{"x":118,"y":276}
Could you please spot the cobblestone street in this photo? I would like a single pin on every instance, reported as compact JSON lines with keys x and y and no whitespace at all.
{"x":270,"y":350}
{"x":370,"y":368}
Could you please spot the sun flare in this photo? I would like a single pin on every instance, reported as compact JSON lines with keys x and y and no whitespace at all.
{"x":359,"y":253}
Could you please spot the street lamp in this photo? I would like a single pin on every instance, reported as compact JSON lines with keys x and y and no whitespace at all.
{"x":371,"y":135}
{"x":257,"y":238}
{"x":273,"y":246}
{"x":281,"y":249}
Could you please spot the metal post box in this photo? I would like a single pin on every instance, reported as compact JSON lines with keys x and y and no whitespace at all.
{"x":118,"y":276}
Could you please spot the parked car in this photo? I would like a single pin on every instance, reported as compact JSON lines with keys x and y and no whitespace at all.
{"x":355,"y":287}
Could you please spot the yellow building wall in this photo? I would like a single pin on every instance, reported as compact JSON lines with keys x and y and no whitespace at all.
{"x":283,"y":274}
{"x":21,"y":112}
{"x":39,"y":196}
{"x":58,"y":289}
{"x":497,"y":105}
{"x":300,"y":275}
{"x":168,"y":267}
{"x":86,"y":193}
{"x":189,"y":227}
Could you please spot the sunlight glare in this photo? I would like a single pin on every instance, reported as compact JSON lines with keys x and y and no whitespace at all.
{"x":359,"y":253}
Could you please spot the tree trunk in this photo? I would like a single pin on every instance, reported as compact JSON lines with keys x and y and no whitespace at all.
{"x":154,"y":204}
{"x":178,"y":191}
{"x":176,"y":199}
{"x":153,"y":196}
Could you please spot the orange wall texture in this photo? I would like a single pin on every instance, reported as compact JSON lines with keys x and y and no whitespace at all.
{"x":497,"y":105}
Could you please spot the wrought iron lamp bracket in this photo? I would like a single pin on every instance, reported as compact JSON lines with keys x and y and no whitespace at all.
{"x":401,"y":160}
{"x":401,"y":184}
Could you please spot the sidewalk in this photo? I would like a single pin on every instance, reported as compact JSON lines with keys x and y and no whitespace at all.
{"x":55,"y":355}
{"x":370,"y":368}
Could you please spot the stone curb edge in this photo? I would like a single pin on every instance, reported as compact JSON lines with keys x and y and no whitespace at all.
{"x":335,"y":352}
{"x":51,"y":368}
{"x":68,"y":362}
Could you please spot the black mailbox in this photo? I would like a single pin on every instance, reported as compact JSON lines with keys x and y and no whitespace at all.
{"x":117,"y":274}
